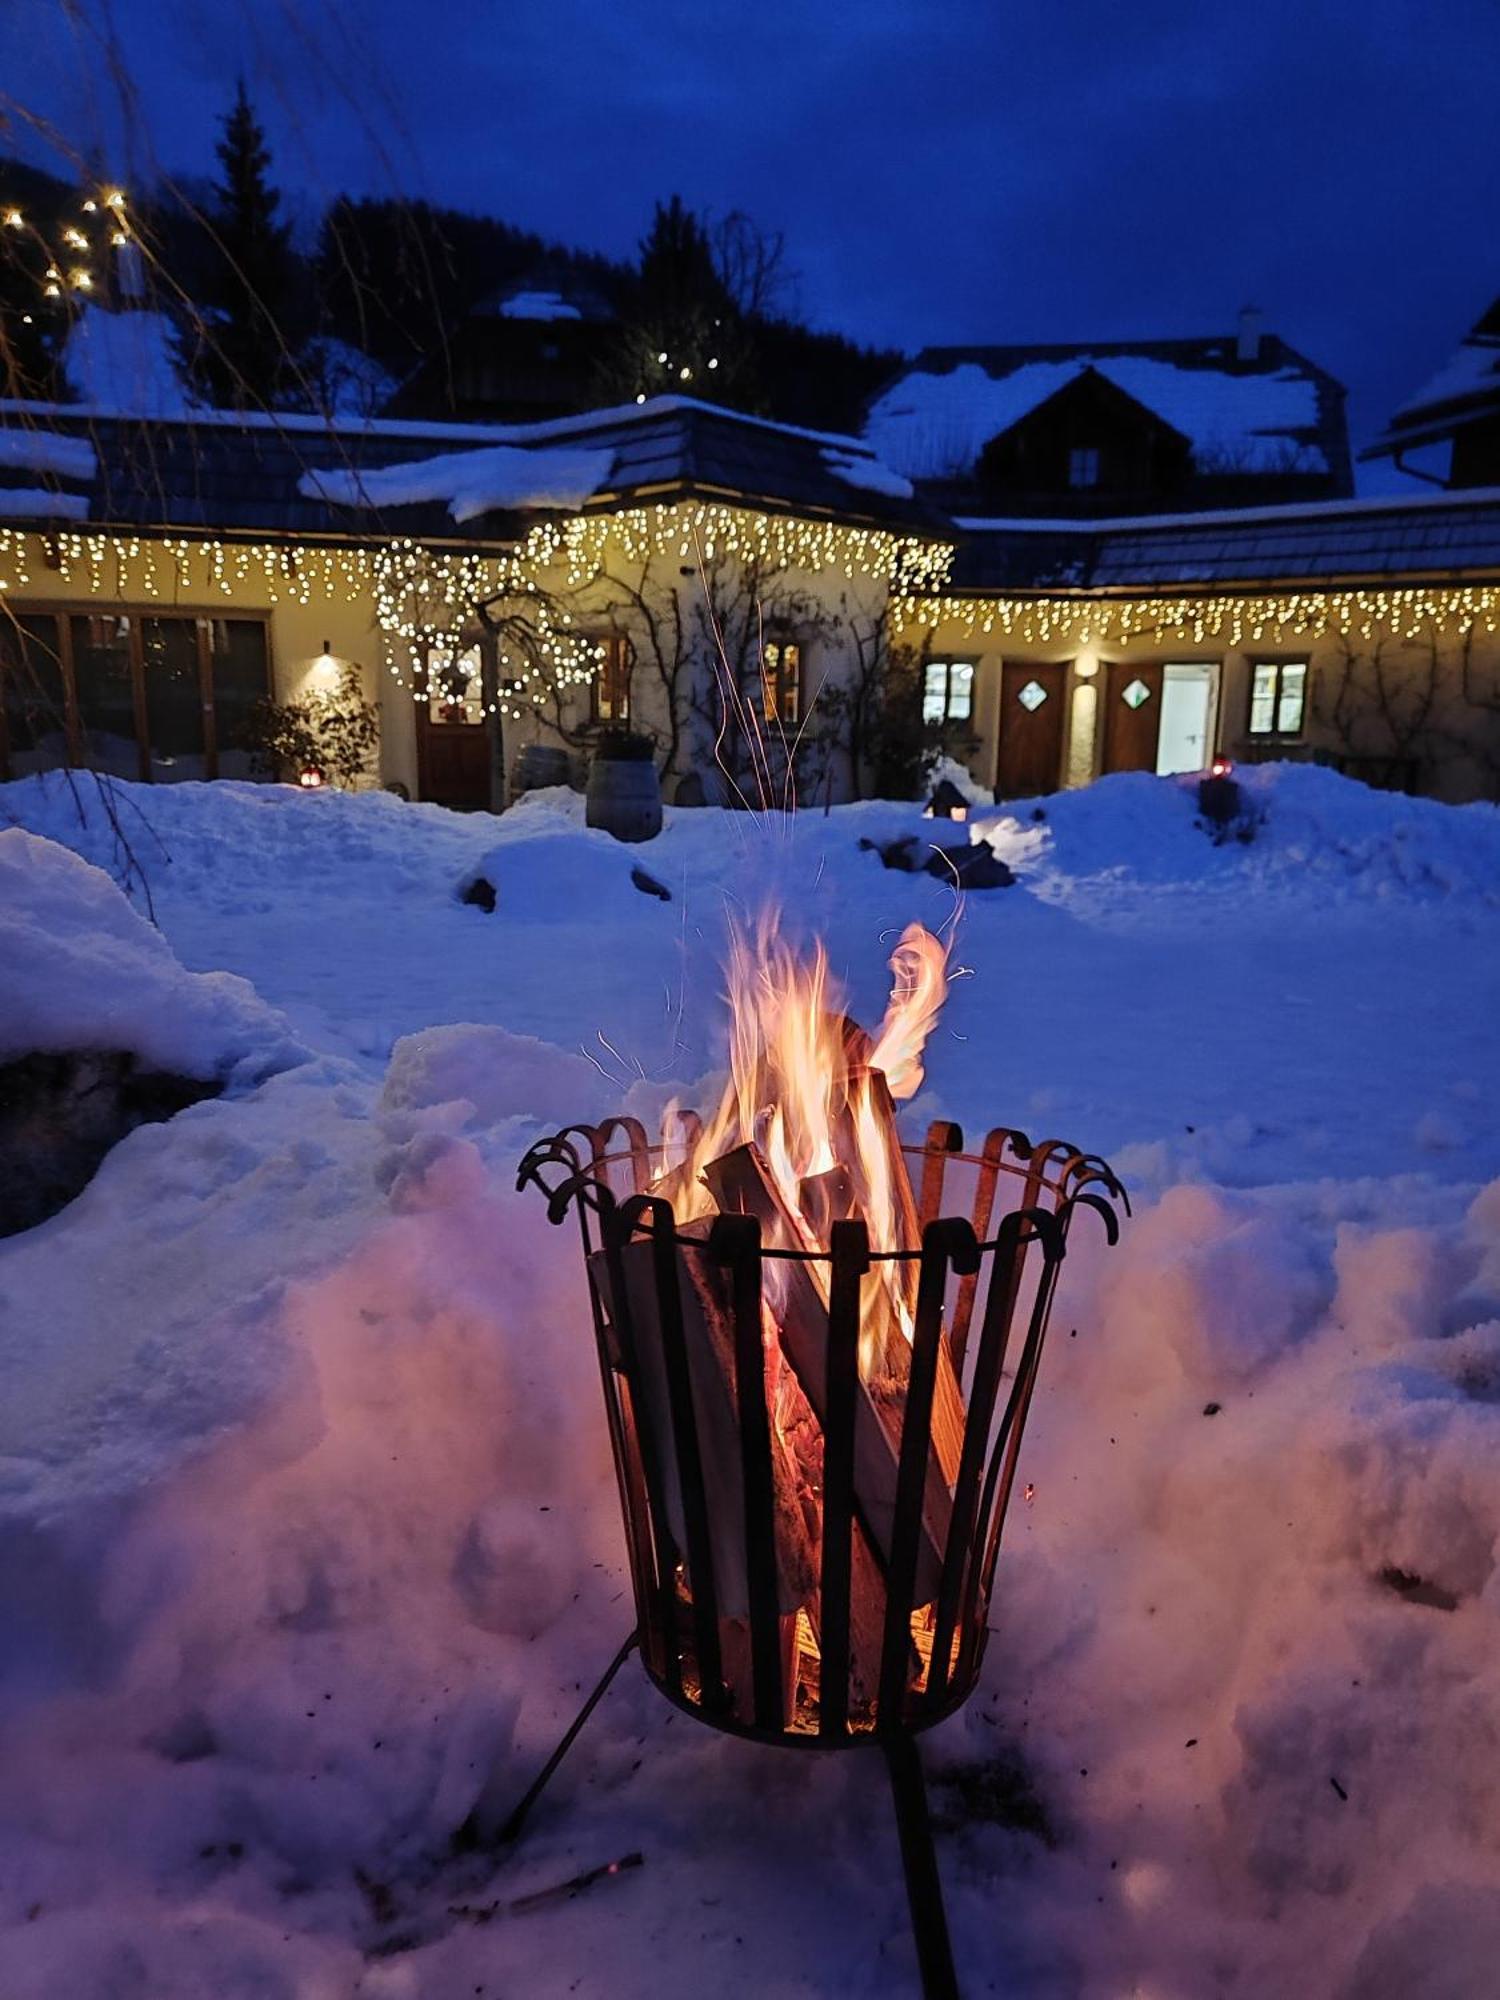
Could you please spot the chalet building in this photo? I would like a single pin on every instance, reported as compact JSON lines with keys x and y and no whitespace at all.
{"x":1119,"y":427}
{"x":664,"y":566}
{"x":1459,"y":409}
{"x":530,"y":351}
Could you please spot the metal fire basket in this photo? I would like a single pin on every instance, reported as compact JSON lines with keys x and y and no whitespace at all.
{"x":753,"y":1605}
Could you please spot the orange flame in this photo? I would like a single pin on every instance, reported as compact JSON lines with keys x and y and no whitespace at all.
{"x":809,"y":1088}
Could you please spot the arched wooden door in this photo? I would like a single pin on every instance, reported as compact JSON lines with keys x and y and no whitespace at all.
{"x":1132,"y":715}
{"x":1033,"y":728}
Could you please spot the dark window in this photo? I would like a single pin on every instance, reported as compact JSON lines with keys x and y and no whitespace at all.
{"x":781,"y":672}
{"x":947,"y":692}
{"x":240,"y":674}
{"x":33,"y":695}
{"x":104,"y":677}
{"x":1278,"y":697}
{"x":138,"y":696}
{"x":611,"y":685}
{"x":1083,"y":466}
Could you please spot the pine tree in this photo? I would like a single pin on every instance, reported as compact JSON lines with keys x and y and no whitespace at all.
{"x":236,"y":347}
{"x":685,"y":335}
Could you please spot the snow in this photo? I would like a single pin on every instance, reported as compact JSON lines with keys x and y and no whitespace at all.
{"x":349,"y":385}
{"x":29,"y":503}
{"x":857,"y":469}
{"x":470,"y":483}
{"x":308,"y":1537}
{"x":933,"y":424}
{"x":24,"y":450}
{"x":1473,"y":367}
{"x":538,"y":305}
{"x":123,"y":361}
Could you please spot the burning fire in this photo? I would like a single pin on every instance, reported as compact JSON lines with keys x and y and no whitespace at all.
{"x":813,"y":1093}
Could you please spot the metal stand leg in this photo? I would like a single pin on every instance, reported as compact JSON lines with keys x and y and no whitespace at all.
{"x":924,"y":1887}
{"x":517,"y":1820}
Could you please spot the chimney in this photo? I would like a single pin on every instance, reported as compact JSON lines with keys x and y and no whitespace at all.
{"x":1247,"y":342}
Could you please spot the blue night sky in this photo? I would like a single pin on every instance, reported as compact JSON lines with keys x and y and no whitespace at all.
{"x":963,"y":172}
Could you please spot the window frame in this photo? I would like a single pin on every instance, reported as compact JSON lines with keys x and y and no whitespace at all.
{"x":948,"y":661}
{"x":1278,"y":664}
{"x":64,"y":610}
{"x":1095,"y":458}
{"x":617,"y":645}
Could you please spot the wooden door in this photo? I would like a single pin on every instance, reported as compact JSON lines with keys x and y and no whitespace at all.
{"x":1033,"y":727}
{"x":1132,"y":715}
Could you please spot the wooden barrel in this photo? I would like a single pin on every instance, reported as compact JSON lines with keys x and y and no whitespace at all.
{"x":537,"y":766}
{"x":624,"y":797}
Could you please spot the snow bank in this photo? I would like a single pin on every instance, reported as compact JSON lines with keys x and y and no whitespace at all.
{"x":80,"y":969}
{"x":471,"y":483}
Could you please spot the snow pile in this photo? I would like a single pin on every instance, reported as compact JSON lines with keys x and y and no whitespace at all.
{"x":471,"y":483}
{"x":81,"y":970}
{"x":934,"y":423}
{"x":538,"y":306}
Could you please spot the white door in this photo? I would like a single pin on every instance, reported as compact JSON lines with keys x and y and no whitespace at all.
{"x":1187,"y":705}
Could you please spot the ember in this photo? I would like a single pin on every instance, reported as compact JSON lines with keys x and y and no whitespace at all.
{"x":814,"y":1457}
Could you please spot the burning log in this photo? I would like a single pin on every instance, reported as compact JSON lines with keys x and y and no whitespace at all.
{"x":741,"y":1184}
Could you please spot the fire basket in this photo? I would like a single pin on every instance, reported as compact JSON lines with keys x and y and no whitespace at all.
{"x":816,"y":1447}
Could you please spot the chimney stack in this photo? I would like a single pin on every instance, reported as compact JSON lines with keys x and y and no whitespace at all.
{"x":1247,"y":345}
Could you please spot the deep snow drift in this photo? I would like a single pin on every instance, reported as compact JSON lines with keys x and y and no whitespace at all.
{"x":307,"y":1532}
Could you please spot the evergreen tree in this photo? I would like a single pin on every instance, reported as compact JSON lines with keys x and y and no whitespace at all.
{"x":235,"y":348}
{"x":684,"y":336}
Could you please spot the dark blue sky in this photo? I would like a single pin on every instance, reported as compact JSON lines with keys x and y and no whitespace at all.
{"x":1062,"y":169}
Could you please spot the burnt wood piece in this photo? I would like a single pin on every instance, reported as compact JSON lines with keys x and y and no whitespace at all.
{"x":741,"y":1183}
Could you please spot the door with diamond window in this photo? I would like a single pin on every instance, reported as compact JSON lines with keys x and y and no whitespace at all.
{"x":1132,"y":715}
{"x":1033,"y":708}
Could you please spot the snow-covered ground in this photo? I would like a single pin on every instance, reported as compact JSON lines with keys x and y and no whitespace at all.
{"x":308,"y":1539}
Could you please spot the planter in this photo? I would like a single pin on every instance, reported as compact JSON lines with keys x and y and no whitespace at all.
{"x":537,"y":766}
{"x":624,"y":797}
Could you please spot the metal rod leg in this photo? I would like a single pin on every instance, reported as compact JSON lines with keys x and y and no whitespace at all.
{"x":924,"y":1887}
{"x":517,"y":1820}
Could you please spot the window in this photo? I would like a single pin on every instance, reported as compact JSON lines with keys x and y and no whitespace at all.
{"x":1278,"y":695}
{"x":455,"y":688}
{"x":947,"y":692}
{"x":611,"y":685}
{"x":142,"y":697}
{"x":781,"y":673}
{"x":1083,"y":467}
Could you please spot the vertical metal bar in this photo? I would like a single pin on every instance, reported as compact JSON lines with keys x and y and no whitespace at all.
{"x":985,"y":1185}
{"x":943,"y":1138}
{"x":961,"y":1552}
{"x":911,"y":1476}
{"x":924,"y":1885}
{"x":735,"y":1242}
{"x":616,"y":1230}
{"x":684,"y":1420}
{"x":849,"y":1244}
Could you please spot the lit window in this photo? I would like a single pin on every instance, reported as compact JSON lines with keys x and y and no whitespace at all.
{"x":454,"y":688}
{"x":947,"y":692}
{"x":1083,"y":466}
{"x":1278,"y":697}
{"x":612,"y":684}
{"x":781,"y":674}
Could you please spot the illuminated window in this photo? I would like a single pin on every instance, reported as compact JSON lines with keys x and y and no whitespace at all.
{"x":781,"y":672}
{"x":455,"y":687}
{"x":1278,"y":697}
{"x":947,"y":692}
{"x":1083,"y":466}
{"x":611,"y":687}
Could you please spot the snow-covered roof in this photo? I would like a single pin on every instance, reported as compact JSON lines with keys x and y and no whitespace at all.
{"x":123,"y":360}
{"x":935,"y":420}
{"x":496,"y":478}
{"x":39,"y":503}
{"x":862,"y":469}
{"x":25,"y":450}
{"x":538,"y":305}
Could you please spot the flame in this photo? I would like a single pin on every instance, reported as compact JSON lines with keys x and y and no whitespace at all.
{"x":813,"y":1092}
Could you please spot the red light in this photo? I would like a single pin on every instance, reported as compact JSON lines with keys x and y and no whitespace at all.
{"x":1221,"y":767}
